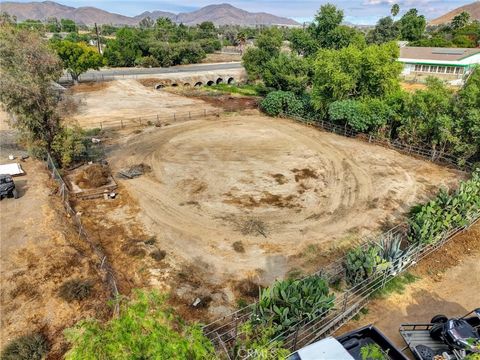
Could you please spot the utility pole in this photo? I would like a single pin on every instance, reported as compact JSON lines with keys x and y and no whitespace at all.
{"x":98,"y":39}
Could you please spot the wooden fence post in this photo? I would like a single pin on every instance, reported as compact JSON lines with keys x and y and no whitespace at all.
{"x":174,"y":117}
{"x":205,"y":112}
{"x":121,"y":122}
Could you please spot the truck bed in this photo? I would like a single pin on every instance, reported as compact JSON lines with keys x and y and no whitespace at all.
{"x":419,"y":334}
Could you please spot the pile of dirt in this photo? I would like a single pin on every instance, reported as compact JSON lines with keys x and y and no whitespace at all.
{"x":134,"y":171}
{"x":93,"y":176}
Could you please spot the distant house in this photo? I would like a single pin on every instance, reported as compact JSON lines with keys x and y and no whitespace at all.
{"x":449,"y":64}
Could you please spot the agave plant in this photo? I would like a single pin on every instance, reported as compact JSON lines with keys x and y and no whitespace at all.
{"x":390,"y":250}
{"x":290,"y":302}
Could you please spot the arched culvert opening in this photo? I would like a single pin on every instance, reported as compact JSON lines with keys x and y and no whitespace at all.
{"x":219,"y":81}
{"x":210,"y":83}
{"x":231,"y":80}
{"x":159,"y":86}
{"x":186,"y":85}
{"x":198,"y":84}
{"x":174,"y":85}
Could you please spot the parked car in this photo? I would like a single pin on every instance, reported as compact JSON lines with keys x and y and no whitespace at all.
{"x":7,"y":187}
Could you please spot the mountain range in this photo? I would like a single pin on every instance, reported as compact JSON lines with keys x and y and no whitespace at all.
{"x":473,"y":9}
{"x":222,"y":14}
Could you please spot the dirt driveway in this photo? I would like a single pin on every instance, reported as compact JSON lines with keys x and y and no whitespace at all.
{"x":274,"y":185}
{"x":128,"y":99}
{"x":449,"y":284}
{"x":39,"y":251}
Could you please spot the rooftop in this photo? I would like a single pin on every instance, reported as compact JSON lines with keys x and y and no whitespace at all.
{"x":440,"y":54}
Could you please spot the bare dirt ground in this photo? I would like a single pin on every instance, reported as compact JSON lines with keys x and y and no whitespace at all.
{"x":449,"y":284}
{"x":127,"y":99}
{"x":236,"y":197}
{"x":39,"y":251}
{"x":221,"y":57}
{"x":273,"y":185}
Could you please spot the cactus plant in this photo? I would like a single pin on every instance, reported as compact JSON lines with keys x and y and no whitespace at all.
{"x":361,"y":263}
{"x":290,"y":302}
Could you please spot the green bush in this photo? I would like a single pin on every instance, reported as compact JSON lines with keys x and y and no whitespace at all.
{"x":430,"y":221}
{"x":29,"y":347}
{"x":75,"y":289}
{"x":290,"y":302}
{"x":144,"y":329}
{"x":361,"y":263}
{"x":258,"y":340}
{"x":283,"y":103}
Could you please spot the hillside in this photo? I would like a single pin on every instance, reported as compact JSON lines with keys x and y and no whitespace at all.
{"x":473,"y":9}
{"x":219,"y":14}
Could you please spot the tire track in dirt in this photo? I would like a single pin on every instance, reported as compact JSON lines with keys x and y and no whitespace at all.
{"x":206,"y":172}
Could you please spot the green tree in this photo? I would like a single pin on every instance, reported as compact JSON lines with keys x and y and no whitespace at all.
{"x":460,"y":20}
{"x":343,"y":36}
{"x":267,"y":47}
{"x":302,"y":42}
{"x":68,"y":25}
{"x":287,"y":72}
{"x":326,"y":20}
{"x":77,"y":58}
{"x":351,"y":73}
{"x":412,"y":25}
{"x":145,"y":329}
{"x":428,"y":118}
{"x":125,"y":49}
{"x":28,"y":67}
{"x":385,"y":30}
{"x":395,"y":10}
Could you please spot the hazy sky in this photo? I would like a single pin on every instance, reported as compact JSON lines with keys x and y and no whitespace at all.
{"x":356,"y":11}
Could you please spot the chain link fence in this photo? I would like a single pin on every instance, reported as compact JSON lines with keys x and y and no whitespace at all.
{"x":104,"y":267}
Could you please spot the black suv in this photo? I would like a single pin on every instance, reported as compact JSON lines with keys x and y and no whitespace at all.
{"x":7,"y":187}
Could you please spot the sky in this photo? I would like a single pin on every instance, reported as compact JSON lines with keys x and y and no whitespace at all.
{"x":356,"y":11}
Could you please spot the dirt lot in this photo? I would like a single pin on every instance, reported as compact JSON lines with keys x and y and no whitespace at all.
{"x":449,"y":284}
{"x":240,"y":196}
{"x":127,"y":99}
{"x":39,"y":252}
{"x":274,"y":185}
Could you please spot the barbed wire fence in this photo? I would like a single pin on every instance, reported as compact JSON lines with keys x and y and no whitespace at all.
{"x":225,"y":331}
{"x":105,"y":269}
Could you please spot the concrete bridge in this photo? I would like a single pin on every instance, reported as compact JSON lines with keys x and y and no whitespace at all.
{"x":183,"y":75}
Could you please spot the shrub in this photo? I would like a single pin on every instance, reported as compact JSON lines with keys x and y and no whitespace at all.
{"x":290,"y":302}
{"x":361,"y":263}
{"x":144,"y":329}
{"x":283,"y":103}
{"x":29,"y":347}
{"x":147,"y":61}
{"x":75,"y":289}
{"x":258,"y":340}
